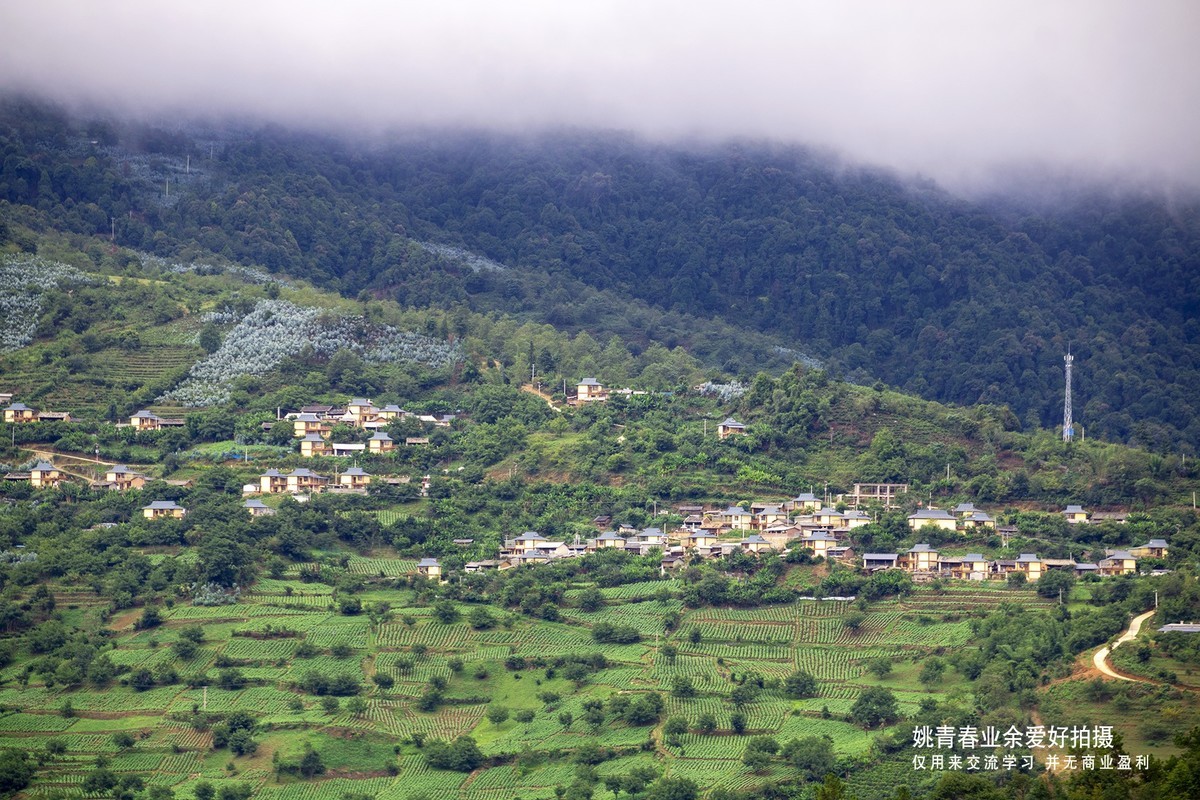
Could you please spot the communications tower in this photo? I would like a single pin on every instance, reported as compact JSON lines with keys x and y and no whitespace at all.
{"x":1068,"y":426}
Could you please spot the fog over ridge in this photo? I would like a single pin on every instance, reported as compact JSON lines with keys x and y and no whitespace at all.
{"x":951,"y":90}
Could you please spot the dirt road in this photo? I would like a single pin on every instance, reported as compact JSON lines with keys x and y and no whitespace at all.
{"x":1101,"y":657}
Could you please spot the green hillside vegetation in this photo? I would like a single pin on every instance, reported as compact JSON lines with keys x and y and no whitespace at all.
{"x":730,"y":251}
{"x":298,"y":654}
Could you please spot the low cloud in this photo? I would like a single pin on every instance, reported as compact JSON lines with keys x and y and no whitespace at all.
{"x":950,"y":90}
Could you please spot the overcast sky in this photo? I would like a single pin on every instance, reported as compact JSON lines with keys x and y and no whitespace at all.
{"x":948,"y":89}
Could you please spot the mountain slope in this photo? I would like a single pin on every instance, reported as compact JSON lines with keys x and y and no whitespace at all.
{"x":947,"y":299}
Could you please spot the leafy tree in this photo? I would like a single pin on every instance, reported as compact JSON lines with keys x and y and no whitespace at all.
{"x":880,"y":667}
{"x":1054,"y":582}
{"x":311,"y":763}
{"x":800,"y":684}
{"x":875,"y":706}
{"x":813,"y":756}
{"x":932,"y":671}
{"x":445,"y":612}
{"x":497,"y":714}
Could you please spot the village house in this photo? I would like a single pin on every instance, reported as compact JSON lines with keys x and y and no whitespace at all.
{"x":144,"y":420}
{"x":1076,"y":515}
{"x":853,"y":518}
{"x":306,"y":423}
{"x":1118,"y":562}
{"x":19,"y":413}
{"x":964,"y":510}
{"x":874,"y":562}
{"x":313,"y":444}
{"x":344,"y":449}
{"x":766,"y":516}
{"x":525,"y":543}
{"x":932,"y":516}
{"x":803,"y":502}
{"x":361,"y":411}
{"x":257,"y":508}
{"x":45,"y":475}
{"x":415,"y":441}
{"x":979,"y":519}
{"x":972,"y":566}
{"x":487,"y":565}
{"x":589,"y":390}
{"x":272,"y":482}
{"x":608,"y":539}
{"x":827,"y":518}
{"x":429,"y":568}
{"x":651,"y":537}
{"x":1114,"y":517}
{"x":53,"y":416}
{"x":121,"y":478}
{"x":921,"y":558}
{"x":1155,"y":548}
{"x":737,"y":518}
{"x":730,"y":427}
{"x":304,"y":480}
{"x":354,"y":478}
{"x":780,"y":535}
{"x":391,"y":412}
{"x":163,"y":509}
{"x":819,"y":543}
{"x":380,"y":442}
{"x":699,"y":540}
{"x":754,"y":544}
{"x":1031,"y":565}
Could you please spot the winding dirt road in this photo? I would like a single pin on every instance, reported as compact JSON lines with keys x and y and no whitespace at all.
{"x":1101,"y":657}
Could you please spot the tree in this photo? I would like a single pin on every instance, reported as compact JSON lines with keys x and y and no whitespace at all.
{"x":356,"y":706}
{"x":812,"y":756}
{"x":673,"y":789}
{"x":210,"y":338}
{"x":932,"y":672}
{"x":833,"y":788}
{"x":875,"y":706}
{"x":675,"y":726}
{"x":880,"y":667}
{"x":706,"y":722}
{"x":758,"y":752}
{"x":16,"y":770}
{"x":445,"y":612}
{"x":311,"y":763}
{"x":1054,"y":583}
{"x":480,"y":619}
{"x":800,"y":684}
{"x":497,"y":714}
{"x":1016,"y":579}
{"x":737,"y":721}
{"x":591,"y":600}
{"x":330,"y":704}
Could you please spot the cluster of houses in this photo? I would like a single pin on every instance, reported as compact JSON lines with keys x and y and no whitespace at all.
{"x":925,"y":562}
{"x":21,"y":414}
{"x":806,"y":522}
{"x":313,"y":426}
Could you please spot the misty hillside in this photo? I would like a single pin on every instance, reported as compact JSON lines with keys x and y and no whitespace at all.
{"x":729,"y":251}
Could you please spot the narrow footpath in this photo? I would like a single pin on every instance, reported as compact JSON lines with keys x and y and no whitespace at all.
{"x":1101,"y":657}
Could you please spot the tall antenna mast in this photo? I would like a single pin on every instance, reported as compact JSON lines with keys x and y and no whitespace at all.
{"x":1068,"y":425}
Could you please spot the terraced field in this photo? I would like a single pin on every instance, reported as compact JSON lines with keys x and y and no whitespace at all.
{"x":261,"y":638}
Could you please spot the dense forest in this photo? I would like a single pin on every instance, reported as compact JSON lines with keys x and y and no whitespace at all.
{"x":745,"y":254}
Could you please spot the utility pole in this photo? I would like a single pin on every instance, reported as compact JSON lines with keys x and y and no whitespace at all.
{"x":1068,"y":429}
